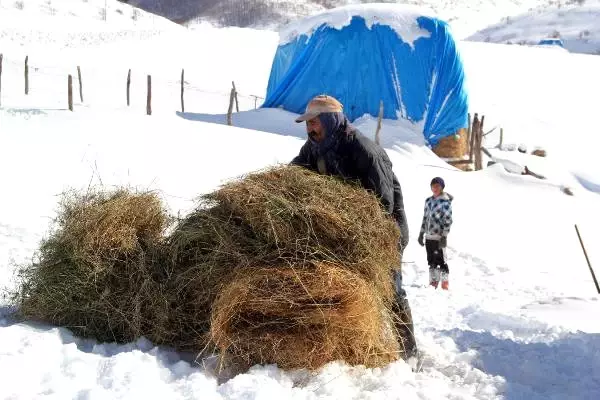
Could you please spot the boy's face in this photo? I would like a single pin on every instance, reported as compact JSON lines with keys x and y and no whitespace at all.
{"x":436,"y":188}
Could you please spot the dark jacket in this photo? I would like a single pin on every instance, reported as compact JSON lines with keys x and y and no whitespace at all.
{"x":351,"y":155}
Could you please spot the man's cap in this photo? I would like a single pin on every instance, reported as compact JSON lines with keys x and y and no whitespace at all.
{"x":320,"y":104}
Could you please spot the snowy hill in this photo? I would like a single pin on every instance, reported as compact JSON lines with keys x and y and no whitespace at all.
{"x":466,"y":16}
{"x":519,"y":319}
{"x":575,"y":23}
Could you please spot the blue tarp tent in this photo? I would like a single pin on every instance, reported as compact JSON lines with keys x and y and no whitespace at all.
{"x":408,"y":61}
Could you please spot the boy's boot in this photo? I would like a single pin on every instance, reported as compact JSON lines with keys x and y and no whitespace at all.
{"x":445,"y":276}
{"x":434,"y":276}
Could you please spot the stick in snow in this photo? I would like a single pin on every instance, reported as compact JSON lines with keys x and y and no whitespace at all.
{"x":587,"y":259}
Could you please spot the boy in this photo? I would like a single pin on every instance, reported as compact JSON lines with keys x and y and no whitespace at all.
{"x":437,"y":219}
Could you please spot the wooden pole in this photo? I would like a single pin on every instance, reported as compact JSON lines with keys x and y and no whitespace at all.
{"x":128,"y":85}
{"x":478,"y":154}
{"x":80,"y":83}
{"x":587,"y":259}
{"x":237,"y":105}
{"x":1,"y":57}
{"x":70,"y":92}
{"x":27,"y":75}
{"x":469,"y":143}
{"x":182,"y":89}
{"x":501,"y":138}
{"x":474,"y":129}
{"x":230,"y":109}
{"x":149,"y":97}
{"x":379,"y":121}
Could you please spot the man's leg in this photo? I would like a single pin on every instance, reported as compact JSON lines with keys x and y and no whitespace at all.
{"x":403,"y":319}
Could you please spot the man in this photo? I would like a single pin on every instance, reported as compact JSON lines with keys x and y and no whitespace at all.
{"x":335,"y":147}
{"x":435,"y":228}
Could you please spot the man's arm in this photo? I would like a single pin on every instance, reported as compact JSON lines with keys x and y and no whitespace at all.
{"x":399,"y":212}
{"x":302,"y":159}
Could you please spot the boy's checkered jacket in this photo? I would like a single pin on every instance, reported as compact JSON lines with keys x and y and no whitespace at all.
{"x":437,"y":217}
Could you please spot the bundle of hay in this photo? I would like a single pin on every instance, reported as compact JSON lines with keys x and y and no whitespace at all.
{"x":95,"y":272}
{"x":454,"y":147}
{"x":259,"y":248}
{"x":302,"y":317}
{"x":282,"y":266}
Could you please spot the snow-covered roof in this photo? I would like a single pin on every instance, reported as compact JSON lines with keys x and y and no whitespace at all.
{"x":401,"y":18}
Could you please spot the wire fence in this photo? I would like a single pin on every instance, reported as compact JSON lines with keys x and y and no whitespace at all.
{"x":109,"y":76}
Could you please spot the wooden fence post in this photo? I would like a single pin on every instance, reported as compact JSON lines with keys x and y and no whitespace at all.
{"x":149,"y":97}
{"x":237,"y":105}
{"x":1,"y":57}
{"x":128,"y":85}
{"x":469,"y":133}
{"x":587,"y":259}
{"x":479,"y":144}
{"x":182,"y":86}
{"x":379,"y":121}
{"x":230,"y":109}
{"x":26,"y":74}
{"x":80,"y":83}
{"x":70,"y":92}
{"x":474,"y":129}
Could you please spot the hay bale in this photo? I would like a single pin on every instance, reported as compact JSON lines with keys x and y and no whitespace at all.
{"x":295,"y":214}
{"x":95,"y":272}
{"x":278,"y":217}
{"x":302,"y":317}
{"x":306,"y":257}
{"x":539,"y":152}
{"x":454,"y":147}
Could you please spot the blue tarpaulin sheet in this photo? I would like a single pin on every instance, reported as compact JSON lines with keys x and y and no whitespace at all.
{"x":362,"y":66}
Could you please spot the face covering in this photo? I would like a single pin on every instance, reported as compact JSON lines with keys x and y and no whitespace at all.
{"x":332,"y":123}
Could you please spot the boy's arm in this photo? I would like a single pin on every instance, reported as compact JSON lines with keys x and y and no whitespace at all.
{"x":424,"y":217}
{"x":447,"y":219}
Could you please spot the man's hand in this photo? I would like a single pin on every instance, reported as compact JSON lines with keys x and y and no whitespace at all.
{"x":443,"y":242}
{"x":421,"y":242}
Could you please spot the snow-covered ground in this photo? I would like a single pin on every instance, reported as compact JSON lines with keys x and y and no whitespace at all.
{"x":520,"y":319}
{"x":575,"y":23}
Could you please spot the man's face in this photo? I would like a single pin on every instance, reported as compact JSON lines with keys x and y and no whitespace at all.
{"x":436,"y":188}
{"x":315,"y":129}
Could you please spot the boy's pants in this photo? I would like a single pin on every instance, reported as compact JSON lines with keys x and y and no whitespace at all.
{"x":436,"y":256}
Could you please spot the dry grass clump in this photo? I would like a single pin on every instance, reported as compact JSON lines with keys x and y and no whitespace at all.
{"x":454,"y":146}
{"x":302,"y":317}
{"x":280,"y":266}
{"x":95,"y":273}
{"x":281,"y":216}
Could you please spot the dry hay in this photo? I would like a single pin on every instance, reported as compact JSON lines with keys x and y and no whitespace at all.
{"x":453,"y":147}
{"x":94,"y":273}
{"x":302,"y":317}
{"x":279,"y":217}
{"x":539,"y":152}
{"x":108,"y":271}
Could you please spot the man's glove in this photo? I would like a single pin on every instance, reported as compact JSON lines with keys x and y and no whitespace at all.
{"x":443,"y":242}
{"x":421,"y":242}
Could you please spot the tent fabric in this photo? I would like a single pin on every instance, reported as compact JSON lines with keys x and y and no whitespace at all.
{"x":361,"y":66}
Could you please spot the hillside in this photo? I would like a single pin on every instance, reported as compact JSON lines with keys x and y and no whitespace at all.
{"x":575,"y":23}
{"x":466,"y":16}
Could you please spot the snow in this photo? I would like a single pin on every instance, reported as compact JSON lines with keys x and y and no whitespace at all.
{"x":401,"y":18}
{"x":519,"y":320}
{"x":576,"y":24}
